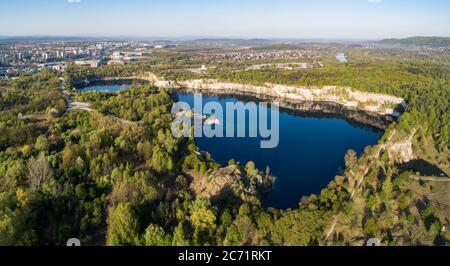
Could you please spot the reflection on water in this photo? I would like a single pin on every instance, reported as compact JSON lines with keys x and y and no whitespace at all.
{"x":310,"y":152}
{"x":106,"y":88}
{"x":309,"y":155}
{"x":110,"y":85}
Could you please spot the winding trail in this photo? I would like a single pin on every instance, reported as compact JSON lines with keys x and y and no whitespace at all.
{"x":73,"y":105}
{"x":430,"y":179}
{"x":358,"y":185}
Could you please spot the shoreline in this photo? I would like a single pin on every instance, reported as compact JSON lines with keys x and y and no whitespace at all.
{"x":311,"y":108}
{"x":361,"y":107}
{"x":381,"y":104}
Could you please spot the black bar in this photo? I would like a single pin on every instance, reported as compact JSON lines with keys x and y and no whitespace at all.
{"x":128,"y":256}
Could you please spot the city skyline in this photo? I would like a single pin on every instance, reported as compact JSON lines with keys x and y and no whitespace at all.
{"x":346,"y":19}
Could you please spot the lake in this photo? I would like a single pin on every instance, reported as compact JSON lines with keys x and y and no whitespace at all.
{"x":309,"y":155}
{"x":341,"y":57}
{"x":109,"y":86}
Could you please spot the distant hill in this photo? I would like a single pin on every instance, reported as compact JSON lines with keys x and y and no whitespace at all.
{"x":420,"y":41}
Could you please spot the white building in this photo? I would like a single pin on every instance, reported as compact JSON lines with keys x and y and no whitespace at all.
{"x":88,"y":63}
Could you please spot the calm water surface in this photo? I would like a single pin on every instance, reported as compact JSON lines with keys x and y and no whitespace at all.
{"x":310,"y":151}
{"x":309,"y":155}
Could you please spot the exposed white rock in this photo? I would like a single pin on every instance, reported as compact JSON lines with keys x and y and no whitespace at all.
{"x":402,"y":151}
{"x":373,"y":102}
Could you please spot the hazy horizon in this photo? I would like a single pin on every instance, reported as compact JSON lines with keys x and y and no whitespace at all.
{"x":193,"y":38}
{"x":262,"y":19}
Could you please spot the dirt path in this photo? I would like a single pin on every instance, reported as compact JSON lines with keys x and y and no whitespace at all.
{"x":430,"y":179}
{"x":85,"y":107}
{"x":73,"y":105}
{"x":358,"y":185}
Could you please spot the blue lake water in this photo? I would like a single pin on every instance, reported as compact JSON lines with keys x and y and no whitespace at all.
{"x":106,"y":88}
{"x":309,"y":155}
{"x":110,"y":85}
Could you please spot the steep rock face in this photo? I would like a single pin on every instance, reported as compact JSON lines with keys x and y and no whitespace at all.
{"x":371,"y":102}
{"x":376,"y":104}
{"x":312,"y":108}
{"x":402,"y":151}
{"x":231,"y":182}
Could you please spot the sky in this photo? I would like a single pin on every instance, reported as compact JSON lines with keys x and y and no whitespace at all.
{"x":297,"y":19}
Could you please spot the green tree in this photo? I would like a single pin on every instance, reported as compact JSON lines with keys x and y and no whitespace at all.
{"x":155,"y":236}
{"x":179,"y":236}
{"x":370,"y":227}
{"x":232,"y":237}
{"x":387,"y":188}
{"x":42,"y":144}
{"x":202,"y":217}
{"x":226,"y":219}
{"x":123,"y":226}
{"x":144,"y":149}
{"x":250,"y":168}
{"x":299,"y":228}
{"x":161,"y":160}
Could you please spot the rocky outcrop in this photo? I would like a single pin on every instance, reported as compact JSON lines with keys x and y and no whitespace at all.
{"x":380,"y":104}
{"x":231,"y":183}
{"x":402,"y":151}
{"x":377,"y":103}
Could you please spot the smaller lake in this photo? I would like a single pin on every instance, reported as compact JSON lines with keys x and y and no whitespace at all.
{"x":341,"y":57}
{"x":110,"y":86}
{"x":106,"y":88}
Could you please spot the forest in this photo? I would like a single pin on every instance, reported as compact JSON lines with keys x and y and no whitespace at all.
{"x":66,"y":174}
{"x":420,"y":41}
